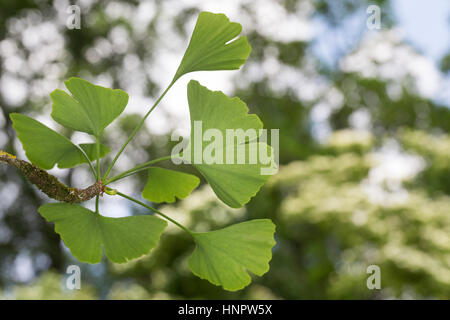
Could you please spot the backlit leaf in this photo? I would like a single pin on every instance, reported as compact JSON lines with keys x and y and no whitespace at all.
{"x":45,"y":147}
{"x":85,"y":233}
{"x":165,"y":185}
{"x":90,"y":109}
{"x":233,"y":182}
{"x":224,"y":257}
{"x":212,"y":46}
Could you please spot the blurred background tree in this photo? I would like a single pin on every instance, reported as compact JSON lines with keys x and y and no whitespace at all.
{"x":364,"y":125}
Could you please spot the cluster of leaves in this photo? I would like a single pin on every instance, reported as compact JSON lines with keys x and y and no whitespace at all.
{"x":223,"y":256}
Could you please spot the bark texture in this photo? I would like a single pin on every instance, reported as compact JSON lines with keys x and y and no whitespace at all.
{"x":49,"y":184}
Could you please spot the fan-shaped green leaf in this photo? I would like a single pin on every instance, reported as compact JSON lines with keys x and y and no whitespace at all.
{"x":236,"y":175}
{"x":90,"y":109}
{"x":164,"y":185}
{"x":45,"y":147}
{"x":85,"y":232}
{"x":212,"y":46}
{"x":224,"y":256}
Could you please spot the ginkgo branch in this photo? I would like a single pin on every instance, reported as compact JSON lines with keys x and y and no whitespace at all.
{"x":223,"y":257}
{"x":50,"y":185}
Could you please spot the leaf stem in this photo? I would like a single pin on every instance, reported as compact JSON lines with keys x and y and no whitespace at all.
{"x":136,"y":169}
{"x":97,"y":145}
{"x":136,"y":130}
{"x":155,"y":211}
{"x":87,"y":159}
{"x":96,"y":203}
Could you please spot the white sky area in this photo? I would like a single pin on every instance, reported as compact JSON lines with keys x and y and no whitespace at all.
{"x":384,"y":185}
{"x":382,"y":55}
{"x":425,"y":24}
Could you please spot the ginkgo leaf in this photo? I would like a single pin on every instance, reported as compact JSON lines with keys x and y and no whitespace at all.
{"x":74,"y":157}
{"x":90,"y":109}
{"x":224,"y":256}
{"x":85,"y":232}
{"x":212,"y":46}
{"x":45,"y":147}
{"x":165,"y":185}
{"x":234,"y":181}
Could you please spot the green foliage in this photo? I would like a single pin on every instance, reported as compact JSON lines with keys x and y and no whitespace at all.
{"x":445,"y":63}
{"x":326,"y":244}
{"x":45,"y":147}
{"x":221,"y":256}
{"x":233,"y":183}
{"x":85,"y":232}
{"x":434,"y":150}
{"x":337,"y":228}
{"x":90,"y":109}
{"x":212,"y":46}
{"x":165,"y":185}
{"x":49,"y":286}
{"x":224,"y":256}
